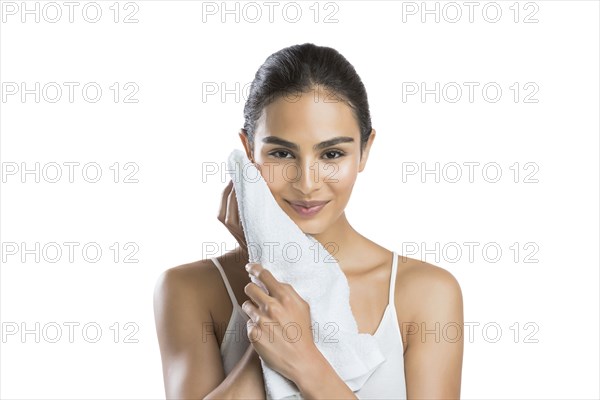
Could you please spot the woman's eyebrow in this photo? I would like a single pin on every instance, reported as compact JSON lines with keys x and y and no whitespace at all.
{"x":319,"y":146}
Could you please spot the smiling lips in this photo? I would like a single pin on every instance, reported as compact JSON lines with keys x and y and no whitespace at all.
{"x":307,"y":208}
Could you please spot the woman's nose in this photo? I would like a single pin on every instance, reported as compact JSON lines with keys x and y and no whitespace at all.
{"x":307,"y":177}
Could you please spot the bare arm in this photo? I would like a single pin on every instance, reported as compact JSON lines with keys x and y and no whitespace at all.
{"x":191,"y":359}
{"x":434,"y":351}
{"x":322,"y":382}
{"x":245,"y":381}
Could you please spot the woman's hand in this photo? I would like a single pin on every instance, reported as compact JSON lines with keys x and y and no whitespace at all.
{"x":279,"y":327}
{"x":229,"y":216}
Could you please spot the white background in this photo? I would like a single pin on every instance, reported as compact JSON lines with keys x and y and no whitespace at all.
{"x":177,"y":129}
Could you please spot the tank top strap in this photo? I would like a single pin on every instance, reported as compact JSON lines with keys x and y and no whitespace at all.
{"x":227,"y":285}
{"x":393,"y":279}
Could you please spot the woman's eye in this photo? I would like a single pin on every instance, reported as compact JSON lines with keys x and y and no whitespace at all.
{"x":278,"y":152}
{"x":340,"y":154}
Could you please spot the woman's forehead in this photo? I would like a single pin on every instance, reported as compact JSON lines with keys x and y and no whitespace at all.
{"x":308,"y":117}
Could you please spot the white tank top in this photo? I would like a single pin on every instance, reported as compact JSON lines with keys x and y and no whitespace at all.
{"x":387,"y":382}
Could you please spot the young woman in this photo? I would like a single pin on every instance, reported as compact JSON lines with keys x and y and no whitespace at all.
{"x":308,"y":110}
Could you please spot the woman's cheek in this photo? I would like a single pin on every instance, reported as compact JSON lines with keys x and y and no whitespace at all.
{"x":274,"y":176}
{"x":269,"y":172}
{"x":340,"y":177}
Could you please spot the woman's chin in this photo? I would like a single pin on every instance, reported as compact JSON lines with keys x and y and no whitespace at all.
{"x":308,"y":228}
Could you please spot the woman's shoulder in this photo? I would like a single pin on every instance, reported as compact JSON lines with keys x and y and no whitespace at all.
{"x":202,"y":281}
{"x":193,"y":283}
{"x":190,"y":274}
{"x":184,"y":301}
{"x":417,"y":272}
{"x":422,"y":287}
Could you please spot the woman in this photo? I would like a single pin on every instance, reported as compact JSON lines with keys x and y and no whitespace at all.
{"x":307,"y":109}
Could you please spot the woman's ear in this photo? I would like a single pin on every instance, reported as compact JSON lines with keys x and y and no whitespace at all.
{"x":246,"y":143}
{"x":365,"y":154}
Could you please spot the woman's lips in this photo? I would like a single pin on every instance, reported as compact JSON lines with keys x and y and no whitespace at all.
{"x":307,"y":211}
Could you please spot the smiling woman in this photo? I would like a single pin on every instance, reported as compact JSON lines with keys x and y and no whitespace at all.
{"x":309,"y":162}
{"x":308,"y":130}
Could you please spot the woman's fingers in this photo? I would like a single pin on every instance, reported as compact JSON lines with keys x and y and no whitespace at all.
{"x":225,"y":195}
{"x":234,"y":208}
{"x":229,"y":208}
{"x":258,"y":296}
{"x":230,"y":217}
{"x":250,"y":309}
{"x":274,"y":287}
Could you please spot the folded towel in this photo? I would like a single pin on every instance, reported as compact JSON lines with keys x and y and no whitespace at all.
{"x":279,"y":245}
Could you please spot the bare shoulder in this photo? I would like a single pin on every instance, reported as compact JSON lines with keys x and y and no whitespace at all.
{"x":191,"y":279}
{"x":185,"y":295}
{"x":423,"y":289}
{"x":193,"y":283}
{"x":430,"y":312}
{"x":425,"y":275}
{"x":183,"y":298}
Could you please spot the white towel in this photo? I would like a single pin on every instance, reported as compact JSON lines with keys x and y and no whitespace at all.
{"x":279,"y":245}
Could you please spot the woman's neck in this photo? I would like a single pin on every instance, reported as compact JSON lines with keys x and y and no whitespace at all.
{"x":343,"y":242}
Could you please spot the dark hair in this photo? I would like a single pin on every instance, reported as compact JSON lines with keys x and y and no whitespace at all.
{"x":301,"y":68}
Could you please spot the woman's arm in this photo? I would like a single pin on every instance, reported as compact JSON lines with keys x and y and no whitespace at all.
{"x":321,"y":381}
{"x":434,"y":334}
{"x":192,"y":365}
{"x":245,"y":381}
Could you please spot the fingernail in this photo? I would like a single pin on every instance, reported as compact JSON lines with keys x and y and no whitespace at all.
{"x":248,"y":267}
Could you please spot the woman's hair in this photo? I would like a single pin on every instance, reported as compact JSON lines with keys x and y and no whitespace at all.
{"x":300,"y":69}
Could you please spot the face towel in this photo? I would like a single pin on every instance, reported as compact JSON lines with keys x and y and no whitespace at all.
{"x":279,"y":245}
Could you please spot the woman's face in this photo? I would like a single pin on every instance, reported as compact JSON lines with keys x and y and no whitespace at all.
{"x":307,"y":148}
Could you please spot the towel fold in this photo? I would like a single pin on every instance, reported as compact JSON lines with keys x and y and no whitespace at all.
{"x":279,"y":245}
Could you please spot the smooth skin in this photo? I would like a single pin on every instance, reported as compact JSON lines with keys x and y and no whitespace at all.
{"x":192,"y":307}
